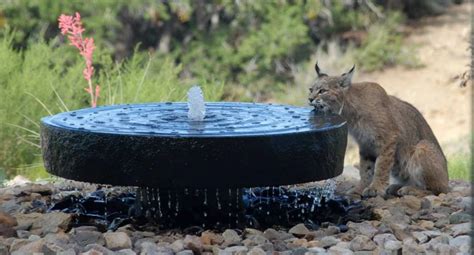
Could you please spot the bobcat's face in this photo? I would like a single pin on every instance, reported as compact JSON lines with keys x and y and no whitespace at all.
{"x":326,"y":95}
{"x":327,"y":92}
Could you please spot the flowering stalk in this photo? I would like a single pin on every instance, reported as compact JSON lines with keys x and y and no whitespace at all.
{"x":72,"y":26}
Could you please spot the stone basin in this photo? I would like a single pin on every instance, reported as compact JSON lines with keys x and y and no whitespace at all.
{"x":155,"y":145}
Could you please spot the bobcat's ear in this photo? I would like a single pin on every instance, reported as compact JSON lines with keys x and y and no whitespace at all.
{"x":346,"y":78}
{"x":318,"y":70}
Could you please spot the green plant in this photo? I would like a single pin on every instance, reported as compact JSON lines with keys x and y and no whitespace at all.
{"x":384,"y":46}
{"x":459,"y":166}
{"x":44,"y":79}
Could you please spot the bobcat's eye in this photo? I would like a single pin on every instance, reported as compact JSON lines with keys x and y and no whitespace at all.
{"x":311,"y":90}
{"x":322,"y":91}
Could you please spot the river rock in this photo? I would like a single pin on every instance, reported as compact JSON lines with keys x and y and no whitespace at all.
{"x":256,"y":251}
{"x":335,"y":250}
{"x":7,"y":224}
{"x":329,"y":241}
{"x":210,"y":238}
{"x":380,"y":239}
{"x":271,"y":234}
{"x":461,"y":229}
{"x":459,"y":217}
{"x":178,"y":245}
{"x":185,"y":252}
{"x":463,"y":243}
{"x":117,"y":241}
{"x":362,"y":243}
{"x":231,"y":237}
{"x":299,"y":230}
{"x":193,"y":243}
{"x":392,"y":245}
{"x":363,"y":228}
{"x":126,"y":252}
{"x":86,"y":237}
{"x":236,"y":250}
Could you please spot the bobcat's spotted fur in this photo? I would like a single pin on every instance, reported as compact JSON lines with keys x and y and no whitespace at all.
{"x":393,"y":137}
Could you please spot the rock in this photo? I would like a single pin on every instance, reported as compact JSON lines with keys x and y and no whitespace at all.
{"x":335,"y":250}
{"x":178,"y":245}
{"x":299,"y":230}
{"x":32,"y":247}
{"x":380,"y":239}
{"x":231,"y":237}
{"x":399,"y":230}
{"x":363,"y":228}
{"x":464,"y":203}
{"x":25,"y":221}
{"x":346,"y":245}
{"x":55,"y":221}
{"x":148,"y":248}
{"x":98,"y":248}
{"x":236,"y":250}
{"x":251,"y":231}
{"x":317,"y":250}
{"x":392,"y":245}
{"x":362,"y":243}
{"x":193,"y":243}
{"x":210,"y":238}
{"x":443,"y":248}
{"x":459,"y":217}
{"x":23,"y":234}
{"x":463,"y":243}
{"x":92,"y":252}
{"x":329,"y":241}
{"x":86,"y":237}
{"x":185,"y":252}
{"x":117,"y":241}
{"x":126,"y":252}
{"x":420,"y":236}
{"x":461,"y":229}
{"x":426,"y":224}
{"x":69,"y":251}
{"x":7,"y":224}
{"x":256,"y":251}
{"x":380,"y":214}
{"x":255,"y":240}
{"x":271,"y":234}
{"x":17,"y":244}
{"x":44,"y":190}
{"x":411,"y":202}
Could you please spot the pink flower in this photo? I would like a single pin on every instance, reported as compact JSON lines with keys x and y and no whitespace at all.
{"x":72,"y":27}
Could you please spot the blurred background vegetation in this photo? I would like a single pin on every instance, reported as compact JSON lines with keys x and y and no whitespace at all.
{"x":155,"y":50}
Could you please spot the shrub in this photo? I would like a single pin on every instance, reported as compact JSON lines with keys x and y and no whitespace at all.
{"x":46,"y":79}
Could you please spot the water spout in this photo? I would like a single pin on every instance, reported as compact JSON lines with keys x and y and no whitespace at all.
{"x":197,"y":108}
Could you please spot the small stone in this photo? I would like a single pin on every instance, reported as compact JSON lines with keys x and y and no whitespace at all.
{"x":193,"y":243}
{"x":461,"y":229}
{"x":51,"y":223}
{"x":399,"y":230}
{"x":255,"y":240}
{"x":335,"y":250}
{"x":256,"y":251}
{"x":363,"y":228}
{"x":314,"y":243}
{"x":86,"y":237}
{"x":271,"y":234}
{"x":99,"y":248}
{"x":459,"y":217}
{"x":252,"y":231}
{"x":92,"y":252}
{"x":329,"y":241}
{"x":117,"y":241}
{"x":300,"y":243}
{"x":380,"y":214}
{"x":420,"y":236}
{"x":316,"y":250}
{"x":411,"y":202}
{"x":380,"y":239}
{"x":69,"y":251}
{"x":32,"y":247}
{"x":185,"y":252}
{"x":362,"y":243}
{"x":299,"y":230}
{"x":426,"y":224}
{"x":346,"y":245}
{"x":463,"y":243}
{"x":178,"y":245}
{"x":392,"y":245}
{"x":22,"y":234}
{"x":126,"y":252}
{"x":231,"y":237}
{"x":443,"y":248}
{"x":331,"y":230}
{"x":236,"y":249}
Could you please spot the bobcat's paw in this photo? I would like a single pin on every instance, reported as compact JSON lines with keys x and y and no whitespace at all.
{"x":373,"y":191}
{"x":413,"y":191}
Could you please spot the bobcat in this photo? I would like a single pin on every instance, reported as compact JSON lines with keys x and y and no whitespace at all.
{"x":395,"y":142}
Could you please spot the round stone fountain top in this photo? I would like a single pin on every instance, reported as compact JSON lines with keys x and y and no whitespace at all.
{"x":170,"y":119}
{"x":156,"y":145}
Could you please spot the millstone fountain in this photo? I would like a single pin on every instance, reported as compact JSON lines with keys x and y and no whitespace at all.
{"x":212,"y":164}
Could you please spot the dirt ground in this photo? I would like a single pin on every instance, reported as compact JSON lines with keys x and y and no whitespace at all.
{"x":443,"y":49}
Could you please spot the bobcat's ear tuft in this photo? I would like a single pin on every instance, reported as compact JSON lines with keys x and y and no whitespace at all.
{"x":318,"y":70}
{"x":346,"y":78}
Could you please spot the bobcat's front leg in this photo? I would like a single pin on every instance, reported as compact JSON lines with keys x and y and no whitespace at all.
{"x":383,"y":166}
{"x":366,"y":172}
